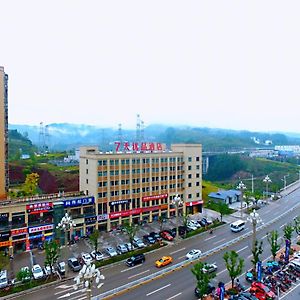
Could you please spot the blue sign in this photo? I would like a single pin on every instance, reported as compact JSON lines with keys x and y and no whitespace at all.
{"x":259,"y":271}
{"x":287,"y":250}
{"x":38,"y":236}
{"x":222,"y":291}
{"x":79,"y":201}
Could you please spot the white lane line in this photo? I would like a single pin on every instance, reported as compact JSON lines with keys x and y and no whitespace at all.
{"x":220,"y":241}
{"x":242,"y":249}
{"x":221,"y":272}
{"x":64,"y":291}
{"x":181,"y":257}
{"x":264,"y":236}
{"x":174,"y":296}
{"x":135,"y":275}
{"x":210,"y":238}
{"x":70,"y":294}
{"x":282,"y":225}
{"x":163,"y":287}
{"x":130,"y":268}
{"x":76,"y":298}
{"x":63,"y":286}
{"x":249,"y":255}
{"x":177,"y":250}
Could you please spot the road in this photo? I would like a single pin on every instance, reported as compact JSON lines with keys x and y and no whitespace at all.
{"x":179,"y":284}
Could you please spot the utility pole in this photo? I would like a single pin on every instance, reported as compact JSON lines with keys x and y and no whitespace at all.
{"x":252,"y":183}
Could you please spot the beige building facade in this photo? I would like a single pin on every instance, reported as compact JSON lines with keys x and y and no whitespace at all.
{"x":4,"y":181}
{"x":138,"y":182}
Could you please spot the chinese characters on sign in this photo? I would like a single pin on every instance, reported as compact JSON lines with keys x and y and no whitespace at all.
{"x":79,"y":202}
{"x":154,"y":197}
{"x":134,"y":146}
{"x":37,"y":208}
{"x":119,"y":202}
{"x":19,"y":231}
{"x":40,"y":228}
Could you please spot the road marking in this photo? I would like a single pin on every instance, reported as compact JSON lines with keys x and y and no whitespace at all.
{"x":221,"y":272}
{"x":177,"y":250}
{"x":76,"y":298}
{"x":163,"y":287}
{"x":63,"y":286}
{"x":64,"y":291}
{"x":210,"y":238}
{"x":249,"y":255}
{"x":282,"y":225}
{"x":242,"y":249}
{"x":264,"y":236}
{"x":220,"y":241}
{"x":174,"y":296}
{"x":138,"y":274}
{"x":182,"y":257}
{"x":130,"y":268}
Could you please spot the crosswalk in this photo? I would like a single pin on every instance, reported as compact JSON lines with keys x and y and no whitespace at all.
{"x":67,"y":292}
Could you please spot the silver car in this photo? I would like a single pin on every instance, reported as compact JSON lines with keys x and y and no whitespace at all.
{"x":111,"y":251}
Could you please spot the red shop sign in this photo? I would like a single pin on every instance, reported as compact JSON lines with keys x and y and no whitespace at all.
{"x":194,"y":203}
{"x":19,"y":231}
{"x":37,"y":208}
{"x":154,"y":197}
{"x":124,"y":213}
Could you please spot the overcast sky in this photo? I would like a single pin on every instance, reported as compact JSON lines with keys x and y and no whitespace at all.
{"x":226,"y":64}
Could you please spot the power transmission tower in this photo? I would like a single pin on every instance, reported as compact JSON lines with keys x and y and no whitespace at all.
{"x":138,"y":128}
{"x":41,"y":138}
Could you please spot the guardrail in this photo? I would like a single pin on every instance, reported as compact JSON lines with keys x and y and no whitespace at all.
{"x":182,"y":264}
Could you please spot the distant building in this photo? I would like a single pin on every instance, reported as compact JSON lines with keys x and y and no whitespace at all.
{"x":4,"y":180}
{"x":228,"y":197}
{"x":264,"y":153}
{"x":295,"y":149}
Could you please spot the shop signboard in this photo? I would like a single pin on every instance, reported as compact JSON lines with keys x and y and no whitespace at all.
{"x":40,"y":228}
{"x":79,"y":201}
{"x":37,"y":208}
{"x":124,"y":213}
{"x":3,"y":216}
{"x":5,"y":244}
{"x":154,"y":197}
{"x":90,"y":220}
{"x":4,"y":235}
{"x":19,"y":231}
{"x":37,"y":236}
{"x":102,"y":217}
{"x":119,"y":202}
{"x":193,"y":203}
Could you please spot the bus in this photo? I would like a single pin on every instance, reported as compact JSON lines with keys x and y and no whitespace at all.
{"x":237,"y":226}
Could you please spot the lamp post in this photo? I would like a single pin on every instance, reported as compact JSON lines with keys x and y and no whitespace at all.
{"x":255,"y":219}
{"x":86,"y":277}
{"x":177,"y":201}
{"x":66,"y":224}
{"x":241,"y":186}
{"x":267,"y":180}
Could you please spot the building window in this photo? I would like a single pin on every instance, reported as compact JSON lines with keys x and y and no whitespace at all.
{"x":197,"y":158}
{"x":87,"y":181}
{"x":189,"y":159}
{"x":190,"y":196}
{"x":197,"y":175}
{"x":189,"y":176}
{"x":86,"y":171}
{"x":189,"y":184}
{"x":197,"y":183}
{"x":198,"y":167}
{"x":87,"y":161}
{"x":198,"y":195}
{"x":189,"y":168}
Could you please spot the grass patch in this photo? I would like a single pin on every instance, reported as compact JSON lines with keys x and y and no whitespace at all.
{"x":214,"y":206}
{"x":128,"y":255}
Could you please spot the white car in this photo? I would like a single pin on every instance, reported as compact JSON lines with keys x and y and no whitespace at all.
{"x":129,"y":246}
{"x":87,"y":259}
{"x":192,"y":222}
{"x":297,"y":255}
{"x":191,"y":226}
{"x":138,"y":242}
{"x":111,"y":251}
{"x":193,"y":254}
{"x":37,"y":272}
{"x":210,"y":268}
{"x":97,"y":255}
{"x":47,"y":270}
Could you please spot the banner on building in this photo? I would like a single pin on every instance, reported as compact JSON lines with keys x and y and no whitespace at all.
{"x":259,"y":271}
{"x":79,"y":201}
{"x":287,"y":250}
{"x":37,"y":208}
{"x":40,"y":228}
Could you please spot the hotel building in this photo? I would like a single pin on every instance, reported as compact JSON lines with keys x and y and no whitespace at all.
{"x":4,"y":181}
{"x":137,"y":182}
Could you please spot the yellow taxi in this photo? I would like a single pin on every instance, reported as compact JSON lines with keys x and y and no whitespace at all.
{"x":165,"y":260}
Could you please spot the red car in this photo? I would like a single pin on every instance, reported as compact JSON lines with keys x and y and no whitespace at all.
{"x":167,"y":236}
{"x":261,"y":291}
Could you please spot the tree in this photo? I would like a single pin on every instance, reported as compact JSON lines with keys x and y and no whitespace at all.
{"x":161,"y":222}
{"x":130,"y":229}
{"x":94,"y":236}
{"x":222,"y":208}
{"x":203,"y":278}
{"x":52,"y":250}
{"x":24,"y":275}
{"x":288,"y":231}
{"x":273,"y":241}
{"x":234,"y":264}
{"x":31,"y":183}
{"x":297,"y":224}
{"x":256,"y":252}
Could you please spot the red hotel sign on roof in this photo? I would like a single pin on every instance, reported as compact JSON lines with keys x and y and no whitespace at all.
{"x":154,"y":197}
{"x":134,"y":146}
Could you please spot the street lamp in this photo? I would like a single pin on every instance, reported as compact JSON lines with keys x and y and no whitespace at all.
{"x":65,"y":225}
{"x":177,"y":201}
{"x":255,"y":219}
{"x":267,"y":180}
{"x":86,"y":277}
{"x":241,"y":187}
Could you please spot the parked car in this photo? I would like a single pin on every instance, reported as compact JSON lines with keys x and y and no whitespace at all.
{"x":210,"y":268}
{"x":129,"y":246}
{"x":248,"y":296}
{"x":47,"y":270}
{"x":170,"y":232}
{"x":111,"y":251}
{"x":37,"y":272}
{"x":261,"y":291}
{"x":193,"y":254}
{"x":74,"y":264}
{"x":87,"y":259}
{"x":191,"y":226}
{"x":156,"y":236}
{"x":167,"y":236}
{"x":135,"y":259}
{"x":164,"y":261}
{"x":97,"y":255}
{"x":137,"y":242}
{"x":3,"y":279}
{"x":149,"y":239}
{"x":194,"y":223}
{"x":61,"y":268}
{"x":210,"y":289}
{"x":121,"y":249}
